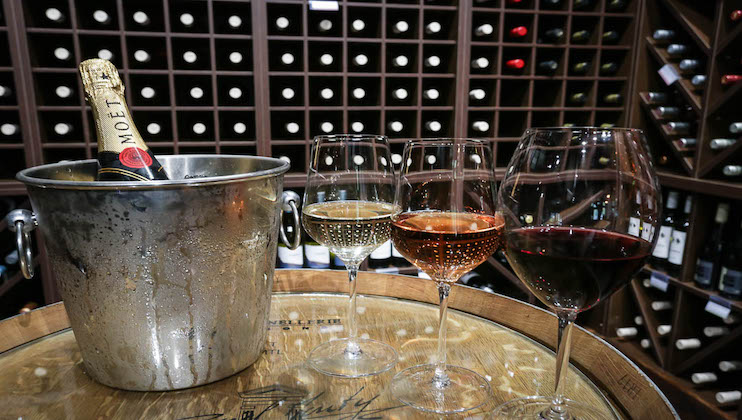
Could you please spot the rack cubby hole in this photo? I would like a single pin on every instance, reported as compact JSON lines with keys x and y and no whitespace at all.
{"x":6,"y":81}
{"x":197,"y":9}
{"x":408,"y":120}
{"x":157,"y":82}
{"x":407,"y":83}
{"x":407,"y":50}
{"x":163,"y":119}
{"x":545,"y":119}
{"x":47,"y":121}
{"x":317,"y":84}
{"x":410,"y":16}
{"x":486,"y":116}
{"x":91,"y":44}
{"x":196,"y":45}
{"x":295,"y":153}
{"x":607,"y":88}
{"x":183,"y":86}
{"x":623,"y":26}
{"x":224,"y":49}
{"x":292,"y":12}
{"x":317,"y":118}
{"x":447,"y":55}
{"x":153,"y":46}
{"x":36,"y":14}
{"x":482,"y":18}
{"x":370,"y":119}
{"x":276,"y":49}
{"x":547,"y":23}
{"x":445,"y":89}
{"x":42,"y":47}
{"x":619,"y":58}
{"x":223,"y":10}
{"x":505,"y":149}
{"x":14,"y":161}
{"x":372,"y":53}
{"x":445,"y":118}
{"x":514,"y":92}
{"x":609,"y":117}
{"x":512,"y":124}
{"x":447,"y":20}
{"x":371,"y":17}
{"x":513,"y":20}
{"x":46,"y":88}
{"x":549,"y":54}
{"x":153,"y":9}
{"x":582,"y":56}
{"x":227,"y":122}
{"x":187,"y":121}
{"x":580,"y":86}
{"x":225,"y":84}
{"x":317,"y":49}
{"x":490,"y":53}
{"x":371,"y":87}
{"x":279,"y":83}
{"x":279,"y":120}
{"x":514,"y":53}
{"x":314,"y":18}
{"x":547,"y":93}
{"x":86,"y":9}
{"x":489,"y":87}
{"x":577,"y":118}
{"x":586,"y":23}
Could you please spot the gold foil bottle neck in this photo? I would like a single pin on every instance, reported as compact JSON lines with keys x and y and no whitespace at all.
{"x":97,"y":73}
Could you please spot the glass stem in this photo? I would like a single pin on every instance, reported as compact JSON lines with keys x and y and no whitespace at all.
{"x":353,"y":350}
{"x":558,"y":410}
{"x":441,"y":380}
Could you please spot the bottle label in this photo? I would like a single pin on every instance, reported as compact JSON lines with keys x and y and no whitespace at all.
{"x":662,"y":249}
{"x":634,"y":224}
{"x":647,"y":232}
{"x":704,"y":272}
{"x":731,"y":282}
{"x":291,"y":258}
{"x":317,"y":256}
{"x":677,"y":247}
{"x":383,"y":252}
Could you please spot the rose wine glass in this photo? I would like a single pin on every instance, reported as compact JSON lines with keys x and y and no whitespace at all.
{"x":347,"y":207}
{"x":445,"y":225}
{"x":575,"y":202}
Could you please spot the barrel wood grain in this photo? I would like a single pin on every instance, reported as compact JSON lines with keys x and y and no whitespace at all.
{"x":39,"y":380}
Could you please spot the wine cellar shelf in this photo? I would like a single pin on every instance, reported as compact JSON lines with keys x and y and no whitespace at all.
{"x":264,"y":77}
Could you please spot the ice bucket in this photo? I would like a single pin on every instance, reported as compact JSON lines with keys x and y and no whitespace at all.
{"x":167,"y":284}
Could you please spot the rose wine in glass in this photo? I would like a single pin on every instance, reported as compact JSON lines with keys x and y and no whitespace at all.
{"x":581,"y":206}
{"x":445,"y":225}
{"x":347,"y":208}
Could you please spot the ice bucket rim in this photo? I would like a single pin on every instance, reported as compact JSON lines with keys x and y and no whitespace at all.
{"x":27,"y":177}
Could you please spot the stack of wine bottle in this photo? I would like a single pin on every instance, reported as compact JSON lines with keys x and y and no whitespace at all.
{"x":688,"y":61}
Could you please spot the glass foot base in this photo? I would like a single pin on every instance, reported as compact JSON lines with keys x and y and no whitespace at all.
{"x":465,"y":389}
{"x":539,"y":408}
{"x":371,"y":358}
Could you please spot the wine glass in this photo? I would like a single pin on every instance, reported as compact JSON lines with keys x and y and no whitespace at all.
{"x":347,"y":206}
{"x":445,"y":224}
{"x":580,"y":208}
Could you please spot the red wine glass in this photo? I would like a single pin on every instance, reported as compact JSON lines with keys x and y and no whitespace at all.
{"x":575,"y":203}
{"x":445,"y":224}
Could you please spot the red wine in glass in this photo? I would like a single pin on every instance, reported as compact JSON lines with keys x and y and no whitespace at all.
{"x":574,"y":268}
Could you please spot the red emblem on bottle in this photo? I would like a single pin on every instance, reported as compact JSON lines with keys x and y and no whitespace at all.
{"x":136,"y":158}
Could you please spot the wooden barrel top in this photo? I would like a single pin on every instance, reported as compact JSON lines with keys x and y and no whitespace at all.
{"x":41,"y":374}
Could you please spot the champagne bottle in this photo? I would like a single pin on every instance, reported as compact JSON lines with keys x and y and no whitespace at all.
{"x":122,"y":154}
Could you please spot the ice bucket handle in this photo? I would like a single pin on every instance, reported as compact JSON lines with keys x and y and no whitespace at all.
{"x":289,"y":202}
{"x":22,"y":222}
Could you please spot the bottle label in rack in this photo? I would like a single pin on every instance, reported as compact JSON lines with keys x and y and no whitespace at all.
{"x":383,"y":252}
{"x":668,"y":74}
{"x":731,"y":281}
{"x":659,"y":281}
{"x":662,"y":249}
{"x":291,"y":258}
{"x":718,"y":306}
{"x":317,"y":256}
{"x":634,"y":224}
{"x":677,"y":247}
{"x":324,"y":5}
{"x":704,"y":271}
{"x":647,"y":231}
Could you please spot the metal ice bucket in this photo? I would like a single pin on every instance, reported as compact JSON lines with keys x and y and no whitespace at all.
{"x":167,"y":284}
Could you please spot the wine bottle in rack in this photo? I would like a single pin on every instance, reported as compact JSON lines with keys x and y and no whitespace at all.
{"x":239,"y":128}
{"x":719,"y":144}
{"x":62,"y":129}
{"x":689,"y":65}
{"x":708,"y":261}
{"x":730,"y":284}
{"x":480,"y":126}
{"x":288,"y":93}
{"x":732,"y":170}
{"x":400,"y":94}
{"x":730,"y":365}
{"x":326,"y":59}
{"x":581,"y":36}
{"x":9,"y":129}
{"x":358,"y":93}
{"x":381,"y":257}
{"x":679,"y":127}
{"x":645,"y":343}
{"x":675,"y":50}
{"x":431,"y":94}
{"x":615,"y":5}
{"x":548,"y":66}
{"x":290,"y":258}
{"x":102,"y":17}
{"x":141,"y":18}
{"x":627,"y":332}
{"x":551,"y":4}
{"x":735,"y":127}
{"x":235,"y":92}
{"x":187,"y":20}
{"x":698,"y":81}
{"x":282,"y":23}
{"x":668,"y":111}
{"x":657,"y":97}
{"x":661,"y":305}
{"x":234,"y":22}
{"x":400,"y":61}
{"x":484,"y":30}
{"x":582,"y":4}
{"x":190,"y":57}
{"x":196,"y":93}
{"x":518,"y":32}
{"x":663,"y":34}
{"x":515,"y":64}
{"x":327,"y":93}
{"x":62,"y":54}
{"x":662,"y":247}
{"x":611,"y":37}
{"x":400,"y":27}
{"x":608,"y":68}
{"x":54,"y":15}
{"x":581,"y":67}
{"x":327,"y":127}
{"x":433,"y":126}
{"x":287,"y":58}
{"x":728,"y":397}
{"x":554,"y":34}
{"x":664,"y":329}
{"x":357,"y":25}
{"x":702,"y":378}
{"x":324,"y":25}
{"x":140,"y":56}
{"x":677,"y":245}
{"x":687,"y":142}
{"x":63,"y":91}
{"x":477,"y":94}
{"x":432,"y":61}
{"x":578,"y":98}
{"x":432,"y":28}
{"x":715,"y":331}
{"x":735,"y":15}
{"x":480,"y":63}
{"x":613,"y":98}
{"x":153,"y":128}
{"x":292,"y":127}
{"x":638,"y":320}
{"x":357,"y":126}
{"x":198,"y":128}
{"x":395,"y":126}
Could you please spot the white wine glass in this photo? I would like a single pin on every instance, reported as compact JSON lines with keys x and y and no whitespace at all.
{"x":347,"y":208}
